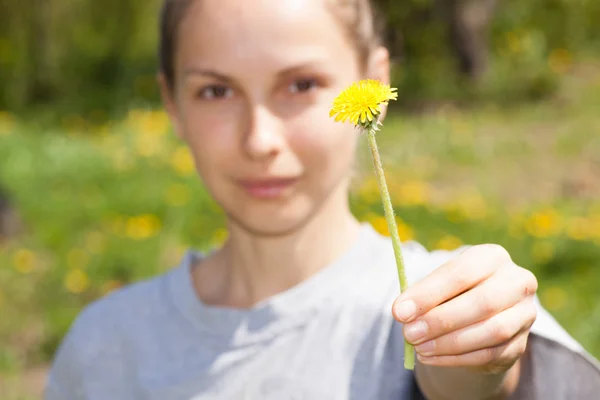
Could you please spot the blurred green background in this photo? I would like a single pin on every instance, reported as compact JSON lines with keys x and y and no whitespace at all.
{"x":495,"y":138}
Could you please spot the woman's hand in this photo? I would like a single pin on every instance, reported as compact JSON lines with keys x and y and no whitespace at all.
{"x":474,"y":311}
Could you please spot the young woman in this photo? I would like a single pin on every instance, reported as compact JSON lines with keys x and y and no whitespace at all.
{"x":302,"y":301}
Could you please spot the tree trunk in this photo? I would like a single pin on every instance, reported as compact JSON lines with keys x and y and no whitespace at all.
{"x":467,"y":22}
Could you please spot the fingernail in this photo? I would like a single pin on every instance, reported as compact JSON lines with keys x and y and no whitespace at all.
{"x":405,"y":310}
{"x":426,"y":348}
{"x":415,"y":331}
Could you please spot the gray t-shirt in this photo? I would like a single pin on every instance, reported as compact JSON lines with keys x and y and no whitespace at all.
{"x":331,"y":337}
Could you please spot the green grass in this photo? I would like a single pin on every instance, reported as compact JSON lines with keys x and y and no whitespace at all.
{"x":121,"y":203}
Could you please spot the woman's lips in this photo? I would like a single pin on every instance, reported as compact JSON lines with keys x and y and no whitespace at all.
{"x":267,"y":188}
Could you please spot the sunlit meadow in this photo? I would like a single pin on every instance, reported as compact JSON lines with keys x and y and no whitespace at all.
{"x":106,"y":205}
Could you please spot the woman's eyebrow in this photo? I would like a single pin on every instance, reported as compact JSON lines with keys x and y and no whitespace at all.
{"x":298,"y":68}
{"x":210,"y":73}
{"x":205,"y":72}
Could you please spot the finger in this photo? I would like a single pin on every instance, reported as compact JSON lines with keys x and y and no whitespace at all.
{"x":495,"y":358}
{"x":449,"y":280}
{"x":499,"y":329}
{"x":503,"y":290}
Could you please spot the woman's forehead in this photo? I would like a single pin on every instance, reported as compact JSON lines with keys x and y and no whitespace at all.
{"x":294,"y":31}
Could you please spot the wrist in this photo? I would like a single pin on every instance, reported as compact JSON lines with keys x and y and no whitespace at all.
{"x":446,"y":383}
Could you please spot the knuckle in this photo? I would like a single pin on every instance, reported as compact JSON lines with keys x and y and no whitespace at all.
{"x":460,"y":279}
{"x":496,"y":252}
{"x":530,"y":283}
{"x":454,"y":340}
{"x":442,"y":325}
{"x":439,"y":325}
{"x":486,"y":304}
{"x":489,"y":355}
{"x":501,"y":332}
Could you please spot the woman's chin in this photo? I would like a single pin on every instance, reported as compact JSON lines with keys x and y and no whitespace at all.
{"x":270,"y":224}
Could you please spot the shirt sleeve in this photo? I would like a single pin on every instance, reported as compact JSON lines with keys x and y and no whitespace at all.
{"x":552,"y":371}
{"x":65,"y":377}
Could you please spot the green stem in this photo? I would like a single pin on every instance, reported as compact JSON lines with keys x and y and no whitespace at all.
{"x":409,"y":355}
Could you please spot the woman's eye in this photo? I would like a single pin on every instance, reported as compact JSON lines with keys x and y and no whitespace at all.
{"x":302,"y":85}
{"x":215,"y":92}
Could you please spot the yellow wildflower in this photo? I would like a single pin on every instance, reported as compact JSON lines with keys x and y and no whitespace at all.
{"x":544,"y":223}
{"x":554,"y":298}
{"x":147,"y":145}
{"x":220,"y":236}
{"x":361,"y":102}
{"x":514,"y":42}
{"x":361,"y":105}
{"x":24,"y":261}
{"x":412,"y":193}
{"x":77,"y":281}
{"x":368,"y":191}
{"x":405,"y":232}
{"x":142,"y":227}
{"x":448,"y":242}
{"x":579,"y":228}
{"x":183,"y":162}
{"x":379,"y":223}
{"x":7,"y":123}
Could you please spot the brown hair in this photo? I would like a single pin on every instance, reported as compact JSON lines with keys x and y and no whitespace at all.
{"x":358,"y":18}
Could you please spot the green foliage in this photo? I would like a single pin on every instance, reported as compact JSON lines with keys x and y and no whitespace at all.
{"x":98,"y":58}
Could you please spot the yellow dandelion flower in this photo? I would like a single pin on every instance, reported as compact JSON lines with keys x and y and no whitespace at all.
{"x":579,"y":229}
{"x":183,"y":162}
{"x":142,"y":227}
{"x":544,"y":223}
{"x":77,"y":281}
{"x":368,"y":191}
{"x":220,"y":236}
{"x":412,"y":193}
{"x":147,"y":145}
{"x":24,"y":261}
{"x":7,"y":122}
{"x":379,"y":223}
{"x":554,"y":298}
{"x":448,"y":242}
{"x":361,"y":103}
{"x":514,"y":42}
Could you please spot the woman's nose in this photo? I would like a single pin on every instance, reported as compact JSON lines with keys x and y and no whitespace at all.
{"x":265,"y":136}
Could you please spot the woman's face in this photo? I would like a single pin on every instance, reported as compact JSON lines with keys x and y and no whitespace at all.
{"x":254,"y":81}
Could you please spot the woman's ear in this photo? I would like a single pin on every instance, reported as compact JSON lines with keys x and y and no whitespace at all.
{"x":379,"y":68}
{"x":167,"y":94}
{"x":379,"y":65}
